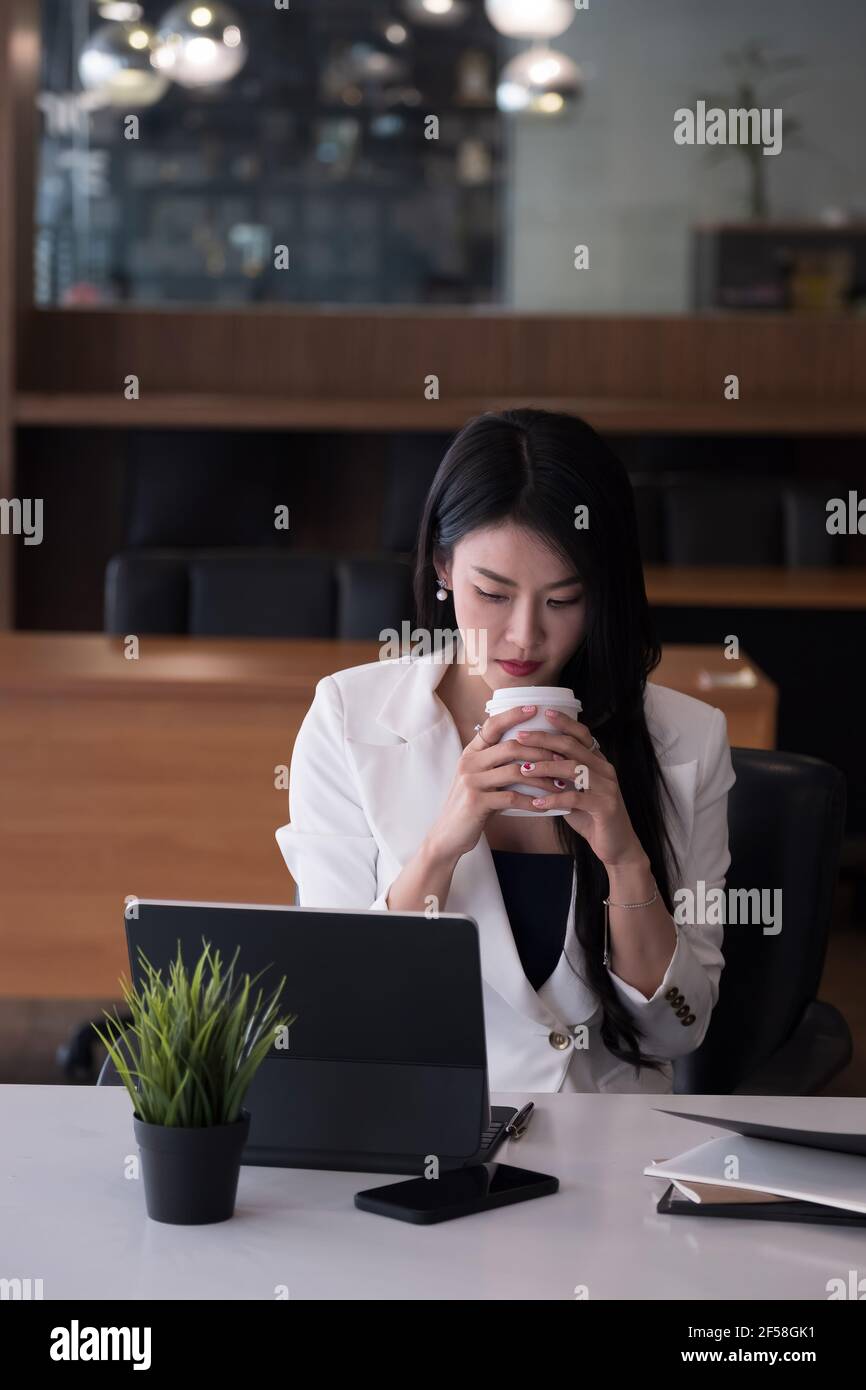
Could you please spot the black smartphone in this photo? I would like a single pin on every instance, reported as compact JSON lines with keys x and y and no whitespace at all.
{"x":459,"y":1193}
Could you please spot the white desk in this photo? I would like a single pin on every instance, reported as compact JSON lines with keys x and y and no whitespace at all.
{"x":70,"y":1217}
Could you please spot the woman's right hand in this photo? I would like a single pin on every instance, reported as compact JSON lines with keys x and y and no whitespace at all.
{"x":485,"y":768}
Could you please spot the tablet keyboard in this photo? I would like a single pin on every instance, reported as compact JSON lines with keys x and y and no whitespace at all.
{"x":500,"y":1116}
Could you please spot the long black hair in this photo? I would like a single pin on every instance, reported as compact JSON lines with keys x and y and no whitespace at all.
{"x":533,"y":468}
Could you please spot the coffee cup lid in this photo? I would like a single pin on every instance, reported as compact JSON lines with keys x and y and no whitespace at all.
{"x":540,"y":695}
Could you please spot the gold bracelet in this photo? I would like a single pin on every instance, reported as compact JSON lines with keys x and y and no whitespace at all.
{"x":607,"y":906}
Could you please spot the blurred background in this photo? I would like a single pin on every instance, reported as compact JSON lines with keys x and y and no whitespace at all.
{"x":308,"y":127}
{"x":258,"y":264}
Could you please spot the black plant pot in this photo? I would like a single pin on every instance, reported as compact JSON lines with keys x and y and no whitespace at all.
{"x":191,"y":1175}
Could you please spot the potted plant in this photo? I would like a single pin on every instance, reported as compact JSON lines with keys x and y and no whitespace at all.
{"x":195,"y":1044}
{"x":753,"y":65}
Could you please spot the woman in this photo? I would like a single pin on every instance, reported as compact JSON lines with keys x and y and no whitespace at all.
{"x":529,"y":540}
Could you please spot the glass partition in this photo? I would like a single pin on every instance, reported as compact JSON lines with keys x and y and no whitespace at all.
{"x":608,"y":156}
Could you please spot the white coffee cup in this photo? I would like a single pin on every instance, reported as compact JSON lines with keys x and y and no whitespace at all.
{"x":544,"y":697}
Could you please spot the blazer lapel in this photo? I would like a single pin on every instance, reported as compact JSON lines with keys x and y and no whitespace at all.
{"x":681,"y":778}
{"x":407,"y":783}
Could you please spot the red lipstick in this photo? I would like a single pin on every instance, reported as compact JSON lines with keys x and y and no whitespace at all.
{"x":519,"y":668}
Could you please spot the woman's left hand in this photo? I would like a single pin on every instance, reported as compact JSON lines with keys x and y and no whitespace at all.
{"x":598,"y":813}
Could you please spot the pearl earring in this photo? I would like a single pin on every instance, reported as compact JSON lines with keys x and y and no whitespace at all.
{"x":441,"y":592}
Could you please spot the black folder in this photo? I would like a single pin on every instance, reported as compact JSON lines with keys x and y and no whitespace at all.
{"x":673,"y":1203}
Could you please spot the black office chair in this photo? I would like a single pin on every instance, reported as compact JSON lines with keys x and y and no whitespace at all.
{"x":257,"y":593}
{"x":769,"y":1033}
{"x":698,"y":519}
{"x":77,"y":1057}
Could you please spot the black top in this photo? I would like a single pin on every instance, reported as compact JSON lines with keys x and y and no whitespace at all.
{"x":536,"y":889}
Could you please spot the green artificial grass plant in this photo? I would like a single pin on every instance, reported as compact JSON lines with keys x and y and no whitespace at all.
{"x":198,"y":1041}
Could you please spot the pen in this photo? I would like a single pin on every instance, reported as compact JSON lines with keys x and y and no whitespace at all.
{"x":517,"y":1127}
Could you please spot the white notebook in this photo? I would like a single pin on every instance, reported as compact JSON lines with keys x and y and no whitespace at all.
{"x":786,"y":1170}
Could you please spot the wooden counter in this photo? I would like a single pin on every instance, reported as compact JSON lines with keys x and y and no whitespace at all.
{"x":756,"y":586}
{"x":156,"y":778}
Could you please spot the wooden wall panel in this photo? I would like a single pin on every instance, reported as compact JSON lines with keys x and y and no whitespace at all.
{"x":283,"y":353}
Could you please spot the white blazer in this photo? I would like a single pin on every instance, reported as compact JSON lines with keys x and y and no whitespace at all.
{"x":372,"y":766}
